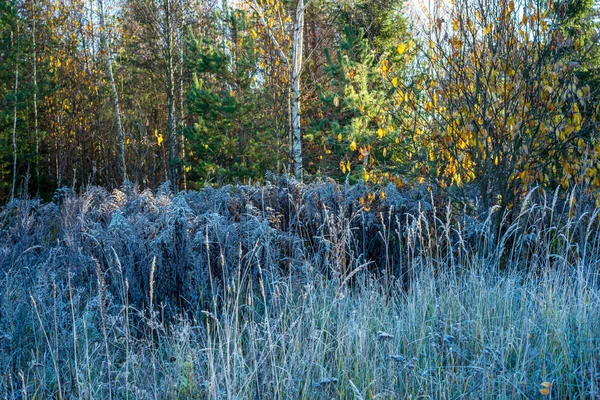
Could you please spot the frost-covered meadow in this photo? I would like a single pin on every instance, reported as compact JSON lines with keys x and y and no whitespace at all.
{"x":295,"y":291}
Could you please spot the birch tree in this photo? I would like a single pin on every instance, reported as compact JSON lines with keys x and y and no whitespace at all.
{"x":295,"y":70}
{"x":115,"y":95}
{"x":503,"y":110}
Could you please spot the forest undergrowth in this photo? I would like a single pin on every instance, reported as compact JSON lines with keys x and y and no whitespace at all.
{"x":296,"y":291}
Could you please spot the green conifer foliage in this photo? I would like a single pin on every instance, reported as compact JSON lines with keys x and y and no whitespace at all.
{"x":229,"y":139}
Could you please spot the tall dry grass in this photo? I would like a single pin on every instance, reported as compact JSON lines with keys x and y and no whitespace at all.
{"x":310,"y":299}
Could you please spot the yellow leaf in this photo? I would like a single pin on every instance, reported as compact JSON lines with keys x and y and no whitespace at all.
{"x":339,"y":137}
{"x":545,"y":391}
{"x":343,"y":166}
{"x":385,"y":152}
{"x":380,"y":132}
{"x":160,"y":139}
{"x":353,"y":145}
{"x":395,"y":82}
{"x":581,"y":143}
{"x":366,"y":176}
{"x":188,"y":168}
{"x":384,"y":66}
{"x":348,"y":165}
{"x":401,"y":48}
{"x":400,"y":96}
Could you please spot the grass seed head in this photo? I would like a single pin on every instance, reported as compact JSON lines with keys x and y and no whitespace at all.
{"x":397,"y":357}
{"x":326,"y":382}
{"x":384,"y":336}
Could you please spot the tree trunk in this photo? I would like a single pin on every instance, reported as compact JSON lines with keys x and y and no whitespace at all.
{"x":35,"y":105}
{"x":120,"y":135}
{"x":295,"y":80}
{"x":172,"y":140}
{"x":293,"y":71}
{"x":181,"y":110}
{"x":59,"y":155}
{"x":14,"y":132}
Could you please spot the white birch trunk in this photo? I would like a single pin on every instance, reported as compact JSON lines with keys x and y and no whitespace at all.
{"x":115,"y":95}
{"x":295,"y":81}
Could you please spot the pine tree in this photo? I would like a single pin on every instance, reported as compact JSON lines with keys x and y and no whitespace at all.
{"x":229,"y":138}
{"x":359,"y":131}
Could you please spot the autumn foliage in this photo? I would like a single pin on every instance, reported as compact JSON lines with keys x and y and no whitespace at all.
{"x":492,"y":97}
{"x":501,"y":108}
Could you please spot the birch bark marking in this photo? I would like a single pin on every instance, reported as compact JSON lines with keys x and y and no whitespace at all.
{"x":296,"y":70}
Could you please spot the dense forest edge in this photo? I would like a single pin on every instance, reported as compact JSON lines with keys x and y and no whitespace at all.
{"x":494,"y":96}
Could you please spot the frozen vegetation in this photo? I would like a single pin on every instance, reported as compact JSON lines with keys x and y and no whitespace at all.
{"x":295,"y":291}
